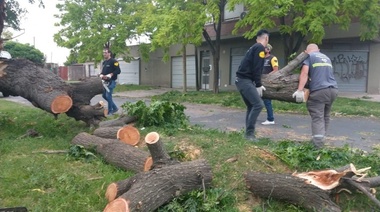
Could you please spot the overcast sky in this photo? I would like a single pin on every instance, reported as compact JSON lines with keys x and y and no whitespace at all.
{"x":39,"y":30}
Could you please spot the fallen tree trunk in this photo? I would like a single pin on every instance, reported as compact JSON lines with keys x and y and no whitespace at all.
{"x":167,"y":179}
{"x":115,"y":152}
{"x":47,"y":91}
{"x":313,"y":190}
{"x":127,"y":134}
{"x":20,"y":77}
{"x":282,"y":84}
{"x":290,"y":189}
{"x":149,"y":190}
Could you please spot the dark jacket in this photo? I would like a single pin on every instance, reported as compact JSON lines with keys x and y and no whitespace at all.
{"x":252,"y":64}
{"x":111,"y":66}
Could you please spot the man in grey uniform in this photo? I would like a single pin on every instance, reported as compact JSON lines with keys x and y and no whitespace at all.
{"x":318,"y":72}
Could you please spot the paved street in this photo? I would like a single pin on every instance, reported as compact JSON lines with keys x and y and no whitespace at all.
{"x":358,"y":132}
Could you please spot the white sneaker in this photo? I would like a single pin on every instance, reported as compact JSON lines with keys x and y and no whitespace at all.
{"x":267,"y":122}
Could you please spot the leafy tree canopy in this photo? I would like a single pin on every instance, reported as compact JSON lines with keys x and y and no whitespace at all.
{"x":297,"y":20}
{"x":26,"y":51}
{"x":87,"y":25}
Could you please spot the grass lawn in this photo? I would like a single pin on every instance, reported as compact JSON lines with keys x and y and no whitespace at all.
{"x":68,"y":180}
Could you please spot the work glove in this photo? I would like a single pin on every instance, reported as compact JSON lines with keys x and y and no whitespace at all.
{"x":260,"y":90}
{"x":108,"y":75}
{"x":299,"y":95}
{"x":101,"y":76}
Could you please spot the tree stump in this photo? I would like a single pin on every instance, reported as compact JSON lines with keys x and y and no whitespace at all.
{"x":149,"y":190}
{"x":156,"y":148}
{"x":115,"y":152}
{"x":127,"y":134}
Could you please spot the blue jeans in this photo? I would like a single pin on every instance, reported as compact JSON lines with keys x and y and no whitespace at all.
{"x":108,"y":97}
{"x":252,"y":100}
{"x":269,"y":108}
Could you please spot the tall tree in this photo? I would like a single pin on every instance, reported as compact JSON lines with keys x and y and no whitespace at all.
{"x":299,"y":20}
{"x":87,"y":25}
{"x":215,"y":10}
{"x":26,"y":51}
{"x":170,"y":22}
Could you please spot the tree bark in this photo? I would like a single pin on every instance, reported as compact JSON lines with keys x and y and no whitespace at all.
{"x":282,"y":84}
{"x":47,"y":91}
{"x":20,"y":77}
{"x":119,"y":122}
{"x":127,"y":134}
{"x":150,"y":190}
{"x":290,"y":189}
{"x":119,"y":154}
{"x":156,"y":148}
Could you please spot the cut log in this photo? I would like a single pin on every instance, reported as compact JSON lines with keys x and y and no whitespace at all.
{"x":119,"y":122}
{"x":115,"y":152}
{"x":150,"y":190}
{"x":290,"y":189}
{"x":20,"y":77}
{"x":156,"y":148}
{"x":47,"y":91}
{"x":127,"y":134}
{"x":282,"y":84}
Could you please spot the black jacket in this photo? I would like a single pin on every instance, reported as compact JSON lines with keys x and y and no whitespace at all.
{"x":111,"y":66}
{"x":252,"y":64}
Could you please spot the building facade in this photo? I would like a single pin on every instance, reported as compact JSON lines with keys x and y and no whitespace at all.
{"x":355,"y":62}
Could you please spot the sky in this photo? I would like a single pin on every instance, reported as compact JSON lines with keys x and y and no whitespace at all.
{"x":38,"y":25}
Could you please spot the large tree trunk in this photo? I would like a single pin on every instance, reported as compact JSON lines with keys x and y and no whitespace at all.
{"x":167,"y":179}
{"x":47,"y":91}
{"x":127,"y":134}
{"x":24,"y":78}
{"x":290,"y":189}
{"x":148,"y":191}
{"x":283,"y":83}
{"x":313,"y":190}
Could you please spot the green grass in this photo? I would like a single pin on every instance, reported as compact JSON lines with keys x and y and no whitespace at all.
{"x":123,"y":88}
{"x":59,"y":182}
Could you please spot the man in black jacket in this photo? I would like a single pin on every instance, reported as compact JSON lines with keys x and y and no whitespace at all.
{"x":248,"y":82}
{"x":109,"y":74}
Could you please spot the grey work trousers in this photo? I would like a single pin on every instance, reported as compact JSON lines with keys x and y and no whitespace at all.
{"x":319,"y":107}
{"x":252,"y":100}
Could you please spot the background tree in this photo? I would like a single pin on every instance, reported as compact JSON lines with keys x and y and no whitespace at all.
{"x":215,"y":10}
{"x":87,"y":25}
{"x":305,"y":20}
{"x":26,"y":51}
{"x":170,"y":22}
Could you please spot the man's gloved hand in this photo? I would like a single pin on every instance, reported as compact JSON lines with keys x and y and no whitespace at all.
{"x":101,"y":76}
{"x":299,"y":95}
{"x":109,"y":75}
{"x":260,"y":90}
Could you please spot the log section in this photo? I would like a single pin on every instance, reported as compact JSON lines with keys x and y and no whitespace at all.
{"x":152,"y":189}
{"x":115,"y":152}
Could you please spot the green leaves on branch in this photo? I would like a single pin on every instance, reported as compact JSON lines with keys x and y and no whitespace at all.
{"x":159,"y":113}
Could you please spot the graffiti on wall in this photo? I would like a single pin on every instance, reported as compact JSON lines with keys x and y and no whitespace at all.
{"x":350,"y":65}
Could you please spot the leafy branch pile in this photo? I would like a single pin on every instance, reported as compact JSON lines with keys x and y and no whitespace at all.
{"x":163,"y":114}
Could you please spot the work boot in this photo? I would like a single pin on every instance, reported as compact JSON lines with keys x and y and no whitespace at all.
{"x":318,"y":143}
{"x":251,"y":138}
